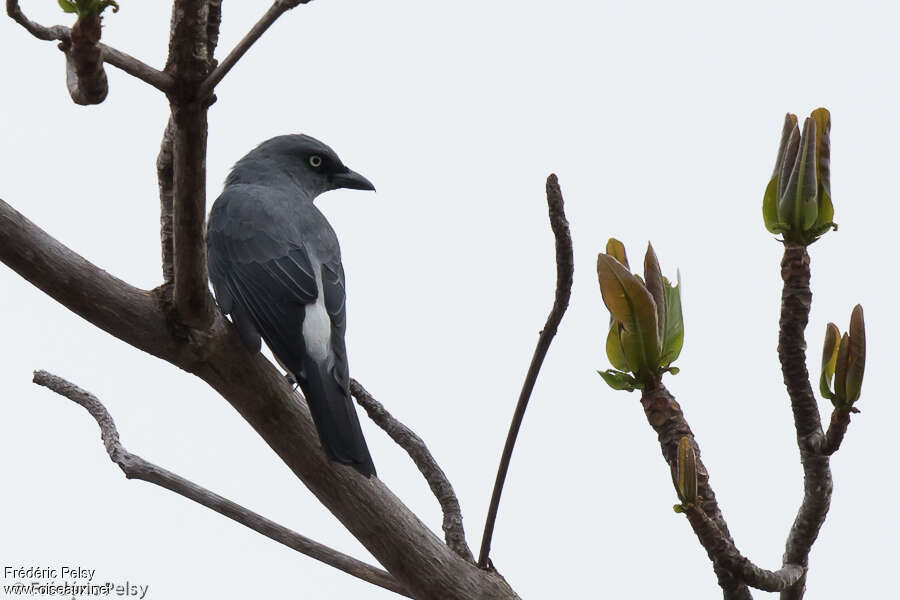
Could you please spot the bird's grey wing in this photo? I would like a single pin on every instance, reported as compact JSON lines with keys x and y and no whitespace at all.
{"x":335,"y":304}
{"x":264,"y":283}
{"x":345,"y":442}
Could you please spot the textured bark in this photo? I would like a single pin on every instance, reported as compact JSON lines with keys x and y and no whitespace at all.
{"x":189,"y":62}
{"x":796,"y":298}
{"x":85,"y":76}
{"x":193,"y":302}
{"x":840,"y":420}
{"x":165,"y":170}
{"x":721,"y":550}
{"x":666,"y":417}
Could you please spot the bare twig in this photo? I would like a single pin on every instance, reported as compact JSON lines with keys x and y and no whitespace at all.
{"x":722,"y":551}
{"x":278,"y":8}
{"x":667,"y":419}
{"x":454,"y":533}
{"x":136,"y":467}
{"x":796,"y":299}
{"x":564,"y":272}
{"x":127,"y":63}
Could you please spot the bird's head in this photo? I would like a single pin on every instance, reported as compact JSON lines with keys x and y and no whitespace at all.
{"x":304,"y":160}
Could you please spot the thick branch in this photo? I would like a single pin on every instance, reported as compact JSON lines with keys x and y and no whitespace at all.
{"x":134,"y":67}
{"x":666,"y":417}
{"x":413,"y":555}
{"x":130,"y":314}
{"x":278,"y":8}
{"x":796,"y":299}
{"x":258,"y":391}
{"x":454,"y":533}
{"x":721,"y":550}
{"x":564,"y":272}
{"x":190,"y":60}
{"x":136,"y":467}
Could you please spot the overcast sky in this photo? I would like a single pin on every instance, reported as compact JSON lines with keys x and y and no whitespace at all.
{"x":662,"y":121}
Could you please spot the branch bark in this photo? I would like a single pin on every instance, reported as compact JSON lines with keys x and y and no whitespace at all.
{"x":840,"y":420}
{"x":564,"y":272}
{"x":189,"y":61}
{"x":136,"y":467}
{"x":165,"y":170}
{"x":128,"y":313}
{"x":721,"y":550}
{"x":134,"y":67}
{"x":666,"y":417}
{"x":796,"y":299}
{"x":454,"y":533}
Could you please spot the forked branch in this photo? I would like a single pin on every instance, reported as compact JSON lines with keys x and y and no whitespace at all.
{"x":722,"y":551}
{"x":127,"y":63}
{"x":278,"y":8}
{"x":564,"y":272}
{"x":136,"y":467}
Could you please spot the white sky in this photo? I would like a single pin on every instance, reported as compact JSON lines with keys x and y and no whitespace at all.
{"x":662,"y":121}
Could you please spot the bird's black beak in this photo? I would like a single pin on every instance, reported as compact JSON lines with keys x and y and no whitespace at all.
{"x":351,"y":180}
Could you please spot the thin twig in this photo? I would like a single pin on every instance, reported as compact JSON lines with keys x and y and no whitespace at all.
{"x":564,"y":272}
{"x":454,"y":534}
{"x":278,"y":8}
{"x":127,"y":63}
{"x":136,"y":467}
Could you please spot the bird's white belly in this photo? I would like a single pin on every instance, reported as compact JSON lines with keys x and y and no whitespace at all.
{"x":317,"y":324}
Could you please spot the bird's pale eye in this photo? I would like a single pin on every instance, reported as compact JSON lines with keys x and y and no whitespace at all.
{"x":315,"y":161}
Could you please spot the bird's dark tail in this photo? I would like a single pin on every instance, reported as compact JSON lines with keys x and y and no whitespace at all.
{"x":335,"y":418}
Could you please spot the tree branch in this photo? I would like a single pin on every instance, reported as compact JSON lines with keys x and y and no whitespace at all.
{"x":165,"y":178}
{"x":666,"y":417}
{"x":454,"y":533}
{"x":278,"y":8}
{"x":564,"y":273}
{"x":414,"y":556}
{"x":136,"y":467}
{"x":127,"y":63}
{"x":840,"y":420}
{"x":796,"y":299}
{"x":130,"y":314}
{"x":721,"y":550}
{"x":190,"y":60}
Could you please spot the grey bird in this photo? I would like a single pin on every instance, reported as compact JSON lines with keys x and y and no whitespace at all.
{"x":275,"y":267}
